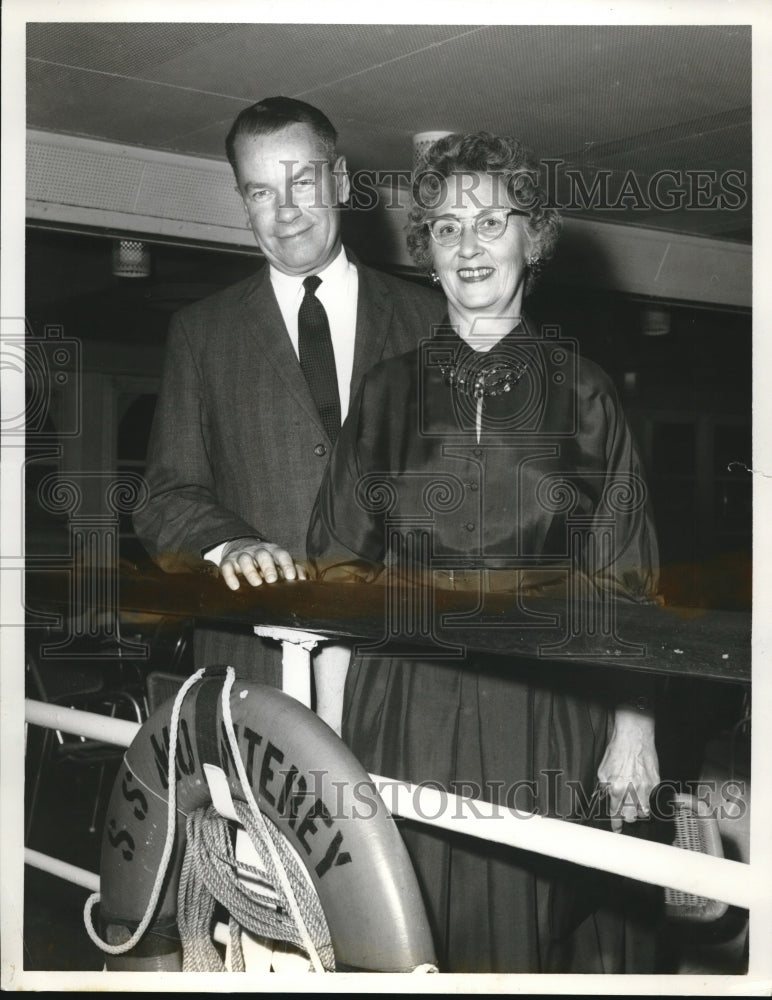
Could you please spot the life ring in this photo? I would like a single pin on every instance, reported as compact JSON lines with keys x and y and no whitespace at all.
{"x":307,"y":782}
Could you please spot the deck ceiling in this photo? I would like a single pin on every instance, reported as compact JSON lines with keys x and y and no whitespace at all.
{"x":640,"y":98}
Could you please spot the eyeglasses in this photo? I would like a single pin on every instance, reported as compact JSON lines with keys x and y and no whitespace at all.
{"x":488,"y":226}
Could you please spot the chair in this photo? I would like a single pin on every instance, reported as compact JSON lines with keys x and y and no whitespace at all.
{"x":106,"y":681}
{"x":161,"y":686}
{"x":90,"y":687}
{"x":713,"y":937}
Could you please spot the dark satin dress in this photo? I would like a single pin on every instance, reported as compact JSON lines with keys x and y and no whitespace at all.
{"x":506,"y":488}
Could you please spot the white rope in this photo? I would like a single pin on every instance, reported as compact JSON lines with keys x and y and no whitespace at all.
{"x":212,"y":872}
{"x":286,"y":885}
{"x":120,"y":949}
{"x":195,"y":906}
{"x":171,"y":825}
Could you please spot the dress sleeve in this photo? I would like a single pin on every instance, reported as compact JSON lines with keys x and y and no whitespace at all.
{"x":631,"y":565}
{"x":346,"y":541}
{"x":631,"y":571}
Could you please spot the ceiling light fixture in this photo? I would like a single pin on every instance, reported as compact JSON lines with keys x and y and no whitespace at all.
{"x":655,"y":322}
{"x":131,"y":259}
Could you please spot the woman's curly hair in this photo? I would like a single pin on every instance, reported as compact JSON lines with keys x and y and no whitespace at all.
{"x":482,"y":152}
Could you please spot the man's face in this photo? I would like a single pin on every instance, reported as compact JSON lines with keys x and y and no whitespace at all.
{"x":292,"y":196}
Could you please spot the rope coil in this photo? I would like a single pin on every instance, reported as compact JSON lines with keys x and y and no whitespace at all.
{"x":209,"y":875}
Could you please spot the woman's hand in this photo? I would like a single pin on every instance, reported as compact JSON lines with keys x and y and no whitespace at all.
{"x":630,"y":769}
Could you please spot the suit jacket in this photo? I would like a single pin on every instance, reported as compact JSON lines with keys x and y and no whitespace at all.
{"x":237,"y":446}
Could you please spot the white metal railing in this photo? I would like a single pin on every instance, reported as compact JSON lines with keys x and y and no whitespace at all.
{"x":89,"y":725}
{"x":657,"y":864}
{"x":90,"y":880}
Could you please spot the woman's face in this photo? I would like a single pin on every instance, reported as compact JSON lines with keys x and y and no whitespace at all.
{"x":480,"y":278}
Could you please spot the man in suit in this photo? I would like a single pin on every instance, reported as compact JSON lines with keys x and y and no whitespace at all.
{"x":244,"y":424}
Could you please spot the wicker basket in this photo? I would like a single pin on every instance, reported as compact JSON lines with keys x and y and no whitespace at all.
{"x":696,"y":829}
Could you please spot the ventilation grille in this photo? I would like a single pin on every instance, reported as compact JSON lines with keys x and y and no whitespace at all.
{"x":150,"y":189}
{"x":136,"y":190}
{"x":82,"y":177}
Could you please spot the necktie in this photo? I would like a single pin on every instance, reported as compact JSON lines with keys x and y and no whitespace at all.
{"x":317,"y":359}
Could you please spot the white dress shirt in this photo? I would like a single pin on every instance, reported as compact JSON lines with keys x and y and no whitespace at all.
{"x":338,"y":294}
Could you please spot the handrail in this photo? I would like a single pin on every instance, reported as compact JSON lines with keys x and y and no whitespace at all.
{"x":657,"y":864}
{"x":90,"y":725}
{"x":90,"y":880}
{"x":671,"y":641}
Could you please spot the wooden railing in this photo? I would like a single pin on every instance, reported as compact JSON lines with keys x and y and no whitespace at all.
{"x":704,"y":643}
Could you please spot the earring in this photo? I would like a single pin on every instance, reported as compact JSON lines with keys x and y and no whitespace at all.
{"x":434,"y":278}
{"x":535,"y":265}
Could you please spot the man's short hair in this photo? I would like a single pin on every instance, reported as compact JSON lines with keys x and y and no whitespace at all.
{"x":275,"y":113}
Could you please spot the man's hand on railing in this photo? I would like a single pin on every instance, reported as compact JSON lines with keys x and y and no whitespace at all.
{"x":258,"y":562}
{"x":630,"y":769}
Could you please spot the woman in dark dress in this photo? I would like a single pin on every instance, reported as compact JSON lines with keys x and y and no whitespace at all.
{"x":492,"y":459}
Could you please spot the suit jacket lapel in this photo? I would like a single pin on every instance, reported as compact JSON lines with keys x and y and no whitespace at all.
{"x":262,"y":316}
{"x":374,"y":315}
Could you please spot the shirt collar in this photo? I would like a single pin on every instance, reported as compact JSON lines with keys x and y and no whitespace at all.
{"x":292,"y":284}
